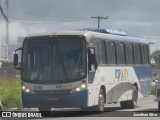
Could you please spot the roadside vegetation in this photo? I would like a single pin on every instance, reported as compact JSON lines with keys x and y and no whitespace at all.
{"x":154,"y":89}
{"x":10,"y":93}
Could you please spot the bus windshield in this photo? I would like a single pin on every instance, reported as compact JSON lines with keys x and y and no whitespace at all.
{"x":58,"y":61}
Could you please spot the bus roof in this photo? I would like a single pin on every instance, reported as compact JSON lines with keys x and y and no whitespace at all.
{"x":92,"y":34}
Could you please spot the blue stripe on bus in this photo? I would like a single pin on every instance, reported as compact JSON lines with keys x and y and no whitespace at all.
{"x":144,"y":76}
{"x":78,"y":99}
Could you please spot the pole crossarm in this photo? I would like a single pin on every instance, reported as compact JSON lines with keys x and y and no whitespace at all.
{"x":99,"y":18}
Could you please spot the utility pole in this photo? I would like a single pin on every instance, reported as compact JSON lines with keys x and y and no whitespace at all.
{"x":6,"y":19}
{"x":4,"y":56}
{"x":7,"y":38}
{"x":3,"y":14}
{"x":99,"y":18}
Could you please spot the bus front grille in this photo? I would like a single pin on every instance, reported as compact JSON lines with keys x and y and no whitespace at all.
{"x":51,"y":92}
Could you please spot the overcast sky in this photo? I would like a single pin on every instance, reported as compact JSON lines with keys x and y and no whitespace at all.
{"x":139,"y":18}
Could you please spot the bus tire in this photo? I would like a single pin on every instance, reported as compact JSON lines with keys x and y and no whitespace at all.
{"x":134,"y":97}
{"x":159,"y":106}
{"x":45,"y":111}
{"x":101,"y":101}
{"x":130,"y":104}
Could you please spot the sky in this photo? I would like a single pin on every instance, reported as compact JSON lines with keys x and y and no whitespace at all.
{"x":138,"y":18}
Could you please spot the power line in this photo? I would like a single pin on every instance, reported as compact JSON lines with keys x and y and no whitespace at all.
{"x":39,"y":22}
{"x":32,"y":21}
{"x":99,"y":18}
{"x":37,"y":14}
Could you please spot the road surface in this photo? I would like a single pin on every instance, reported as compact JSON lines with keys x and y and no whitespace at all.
{"x":146,"y":106}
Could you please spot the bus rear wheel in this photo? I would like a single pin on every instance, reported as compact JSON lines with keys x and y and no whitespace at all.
{"x":130,"y":104}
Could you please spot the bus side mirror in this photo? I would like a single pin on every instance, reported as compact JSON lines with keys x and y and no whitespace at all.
{"x":15,"y":59}
{"x":15,"y":62}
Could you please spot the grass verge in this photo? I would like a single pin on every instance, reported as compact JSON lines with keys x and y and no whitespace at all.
{"x":154,"y":89}
{"x":10,"y":94}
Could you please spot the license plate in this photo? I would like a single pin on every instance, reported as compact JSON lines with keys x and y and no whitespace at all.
{"x":52,"y":99}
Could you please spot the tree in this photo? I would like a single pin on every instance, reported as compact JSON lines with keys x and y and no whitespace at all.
{"x":156,"y":56}
{"x":155,"y":68}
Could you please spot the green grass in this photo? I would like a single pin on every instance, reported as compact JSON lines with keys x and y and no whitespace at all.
{"x":154,"y":89}
{"x":10,"y":93}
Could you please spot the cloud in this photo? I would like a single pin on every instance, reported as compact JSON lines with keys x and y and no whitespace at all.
{"x":134,"y":23}
{"x":138,"y":18}
{"x":17,"y":30}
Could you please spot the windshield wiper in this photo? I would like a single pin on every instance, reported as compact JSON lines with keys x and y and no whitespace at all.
{"x":63,"y":67}
{"x":38,"y":74}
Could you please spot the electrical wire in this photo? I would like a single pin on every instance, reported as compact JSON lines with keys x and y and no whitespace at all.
{"x":37,"y":14}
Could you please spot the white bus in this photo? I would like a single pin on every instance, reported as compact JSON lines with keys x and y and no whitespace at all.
{"x":83,"y":68}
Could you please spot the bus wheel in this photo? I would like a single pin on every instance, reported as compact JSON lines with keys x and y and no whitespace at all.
{"x":45,"y":111}
{"x":134,"y":97}
{"x":129,"y":104}
{"x":100,"y":106}
{"x":159,"y":106}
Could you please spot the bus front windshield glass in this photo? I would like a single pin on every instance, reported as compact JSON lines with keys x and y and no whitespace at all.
{"x":54,"y":61}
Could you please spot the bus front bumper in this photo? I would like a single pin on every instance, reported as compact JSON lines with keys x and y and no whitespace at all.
{"x":78,"y":99}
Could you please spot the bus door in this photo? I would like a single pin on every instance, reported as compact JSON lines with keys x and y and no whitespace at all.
{"x":92,"y":66}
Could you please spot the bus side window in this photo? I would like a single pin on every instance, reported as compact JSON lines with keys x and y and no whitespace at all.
{"x":110,"y":52}
{"x":92,"y":64}
{"x":120,"y":53}
{"x":129,"y":53}
{"x":137,"y":54}
{"x":145,"y":54}
{"x":101,"y":51}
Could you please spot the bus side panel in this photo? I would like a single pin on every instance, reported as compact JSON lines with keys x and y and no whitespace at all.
{"x":119,"y":82}
{"x":93,"y":94}
{"x":144,"y":77}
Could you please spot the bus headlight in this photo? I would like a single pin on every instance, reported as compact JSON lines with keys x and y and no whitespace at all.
{"x":26,"y":90}
{"x":79,"y":88}
{"x":83,"y":86}
{"x":23,"y":87}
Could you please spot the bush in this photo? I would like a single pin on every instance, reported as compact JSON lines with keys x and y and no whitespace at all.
{"x":10,"y":93}
{"x":154,"y":89}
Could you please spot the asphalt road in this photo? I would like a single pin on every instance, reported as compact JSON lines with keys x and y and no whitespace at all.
{"x":146,"y":107}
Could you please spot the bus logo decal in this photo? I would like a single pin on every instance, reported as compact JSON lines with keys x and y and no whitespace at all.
{"x":124,"y":74}
{"x":121,"y":74}
{"x":117,"y":73}
{"x":59,"y":86}
{"x":37,"y":87}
